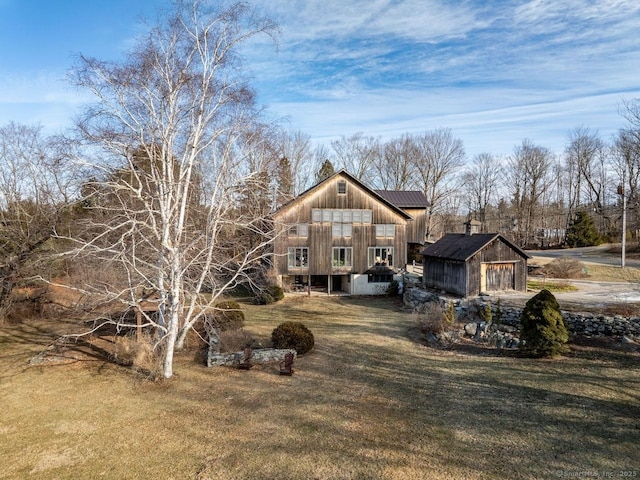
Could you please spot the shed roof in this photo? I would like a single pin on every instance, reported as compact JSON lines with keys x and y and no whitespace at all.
{"x":405,"y":198}
{"x":461,"y":247}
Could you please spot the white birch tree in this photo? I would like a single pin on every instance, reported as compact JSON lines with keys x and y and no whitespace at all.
{"x":168,"y":123}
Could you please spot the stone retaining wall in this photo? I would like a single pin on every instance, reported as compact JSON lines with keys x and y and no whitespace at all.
{"x":587,"y":324}
{"x":263,"y":355}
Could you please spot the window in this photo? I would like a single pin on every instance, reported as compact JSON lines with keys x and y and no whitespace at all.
{"x":381,"y":256}
{"x":385,"y":230}
{"x":341,"y":229}
{"x":327,"y":215}
{"x":299,"y":230}
{"x":342,"y":257}
{"x":298,"y":257}
{"x":342,"y":187}
{"x":379,"y":278}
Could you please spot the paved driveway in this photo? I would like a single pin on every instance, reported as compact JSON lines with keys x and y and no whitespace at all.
{"x":597,"y":254}
{"x":590,"y":293}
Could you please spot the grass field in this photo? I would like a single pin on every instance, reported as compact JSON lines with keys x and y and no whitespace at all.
{"x":367,"y":403}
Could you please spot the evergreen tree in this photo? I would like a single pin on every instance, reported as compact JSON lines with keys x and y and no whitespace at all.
{"x":326,"y":170}
{"x":285,"y":181}
{"x":542,"y":329}
{"x":582,"y":232}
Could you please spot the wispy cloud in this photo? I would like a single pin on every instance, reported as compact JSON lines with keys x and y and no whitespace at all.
{"x":494,"y":72}
{"x":386,"y":67}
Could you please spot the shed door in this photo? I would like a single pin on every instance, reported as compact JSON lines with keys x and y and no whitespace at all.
{"x":498,"y":276}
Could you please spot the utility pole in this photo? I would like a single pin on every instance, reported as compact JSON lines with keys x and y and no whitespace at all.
{"x":621,"y":191}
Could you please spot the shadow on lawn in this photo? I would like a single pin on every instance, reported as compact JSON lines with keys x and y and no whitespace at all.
{"x":368,"y":390}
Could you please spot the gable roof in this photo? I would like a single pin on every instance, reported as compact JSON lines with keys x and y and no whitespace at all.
{"x":343,"y":173}
{"x":405,"y":198}
{"x":461,"y":247}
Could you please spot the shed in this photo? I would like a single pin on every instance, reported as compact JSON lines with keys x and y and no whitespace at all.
{"x":469,"y":264}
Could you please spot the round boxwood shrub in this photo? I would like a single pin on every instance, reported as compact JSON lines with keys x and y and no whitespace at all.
{"x":542,"y":329}
{"x":269,"y":295}
{"x":276,"y":292}
{"x":263,"y":298}
{"x":293,"y":335}
{"x":228,"y":316}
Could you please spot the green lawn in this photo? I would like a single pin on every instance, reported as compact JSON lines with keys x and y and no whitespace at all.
{"x":367,"y":403}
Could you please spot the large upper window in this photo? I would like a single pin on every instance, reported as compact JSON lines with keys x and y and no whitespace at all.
{"x":299,"y":230}
{"x":354,"y":215}
{"x":341,"y":229}
{"x":298,"y":257}
{"x":385,"y":230}
{"x":342,"y":257}
{"x":342,"y":187}
{"x":381,"y":256}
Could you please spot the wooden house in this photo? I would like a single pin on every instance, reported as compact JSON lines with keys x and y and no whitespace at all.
{"x":468,"y":264}
{"x":415,"y":204}
{"x":340,"y":235}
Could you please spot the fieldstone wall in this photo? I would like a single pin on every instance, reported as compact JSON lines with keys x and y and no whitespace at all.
{"x":587,"y":324}
{"x":263,"y":355}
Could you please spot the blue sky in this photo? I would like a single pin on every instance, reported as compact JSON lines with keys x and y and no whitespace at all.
{"x":494,"y":72}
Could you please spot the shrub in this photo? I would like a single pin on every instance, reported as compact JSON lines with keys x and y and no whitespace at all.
{"x":269,"y":295}
{"x":227,"y":316}
{"x":235,"y":341}
{"x":293,"y":335}
{"x":393,"y":289}
{"x":276,"y":292}
{"x":564,"y":267}
{"x":263,"y":298}
{"x":542,"y":327}
{"x":138,"y":354}
{"x":434,"y":319}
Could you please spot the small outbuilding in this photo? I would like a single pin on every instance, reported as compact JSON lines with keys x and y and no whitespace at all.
{"x":468,"y":264}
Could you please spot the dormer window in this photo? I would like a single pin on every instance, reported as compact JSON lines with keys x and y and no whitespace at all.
{"x":342,"y":187}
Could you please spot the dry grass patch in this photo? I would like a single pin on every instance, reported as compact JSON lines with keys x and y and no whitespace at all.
{"x":366,"y":402}
{"x":606,"y":273}
{"x":553,"y":286}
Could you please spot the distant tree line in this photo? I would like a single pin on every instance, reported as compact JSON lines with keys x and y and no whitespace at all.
{"x":532,"y":196}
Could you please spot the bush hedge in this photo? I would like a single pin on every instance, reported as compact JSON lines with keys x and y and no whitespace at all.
{"x":293,"y":335}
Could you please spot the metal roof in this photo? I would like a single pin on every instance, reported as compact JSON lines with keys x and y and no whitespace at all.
{"x":405,"y":198}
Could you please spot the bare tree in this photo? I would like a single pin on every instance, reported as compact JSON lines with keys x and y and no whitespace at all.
{"x":529,"y":167}
{"x":356,"y":154}
{"x":174,"y":115}
{"x":296,"y":148}
{"x":626,"y":160}
{"x":586,"y":156}
{"x":395,"y":167}
{"x":36,"y":186}
{"x":481,"y":181}
{"x":440,"y":157}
